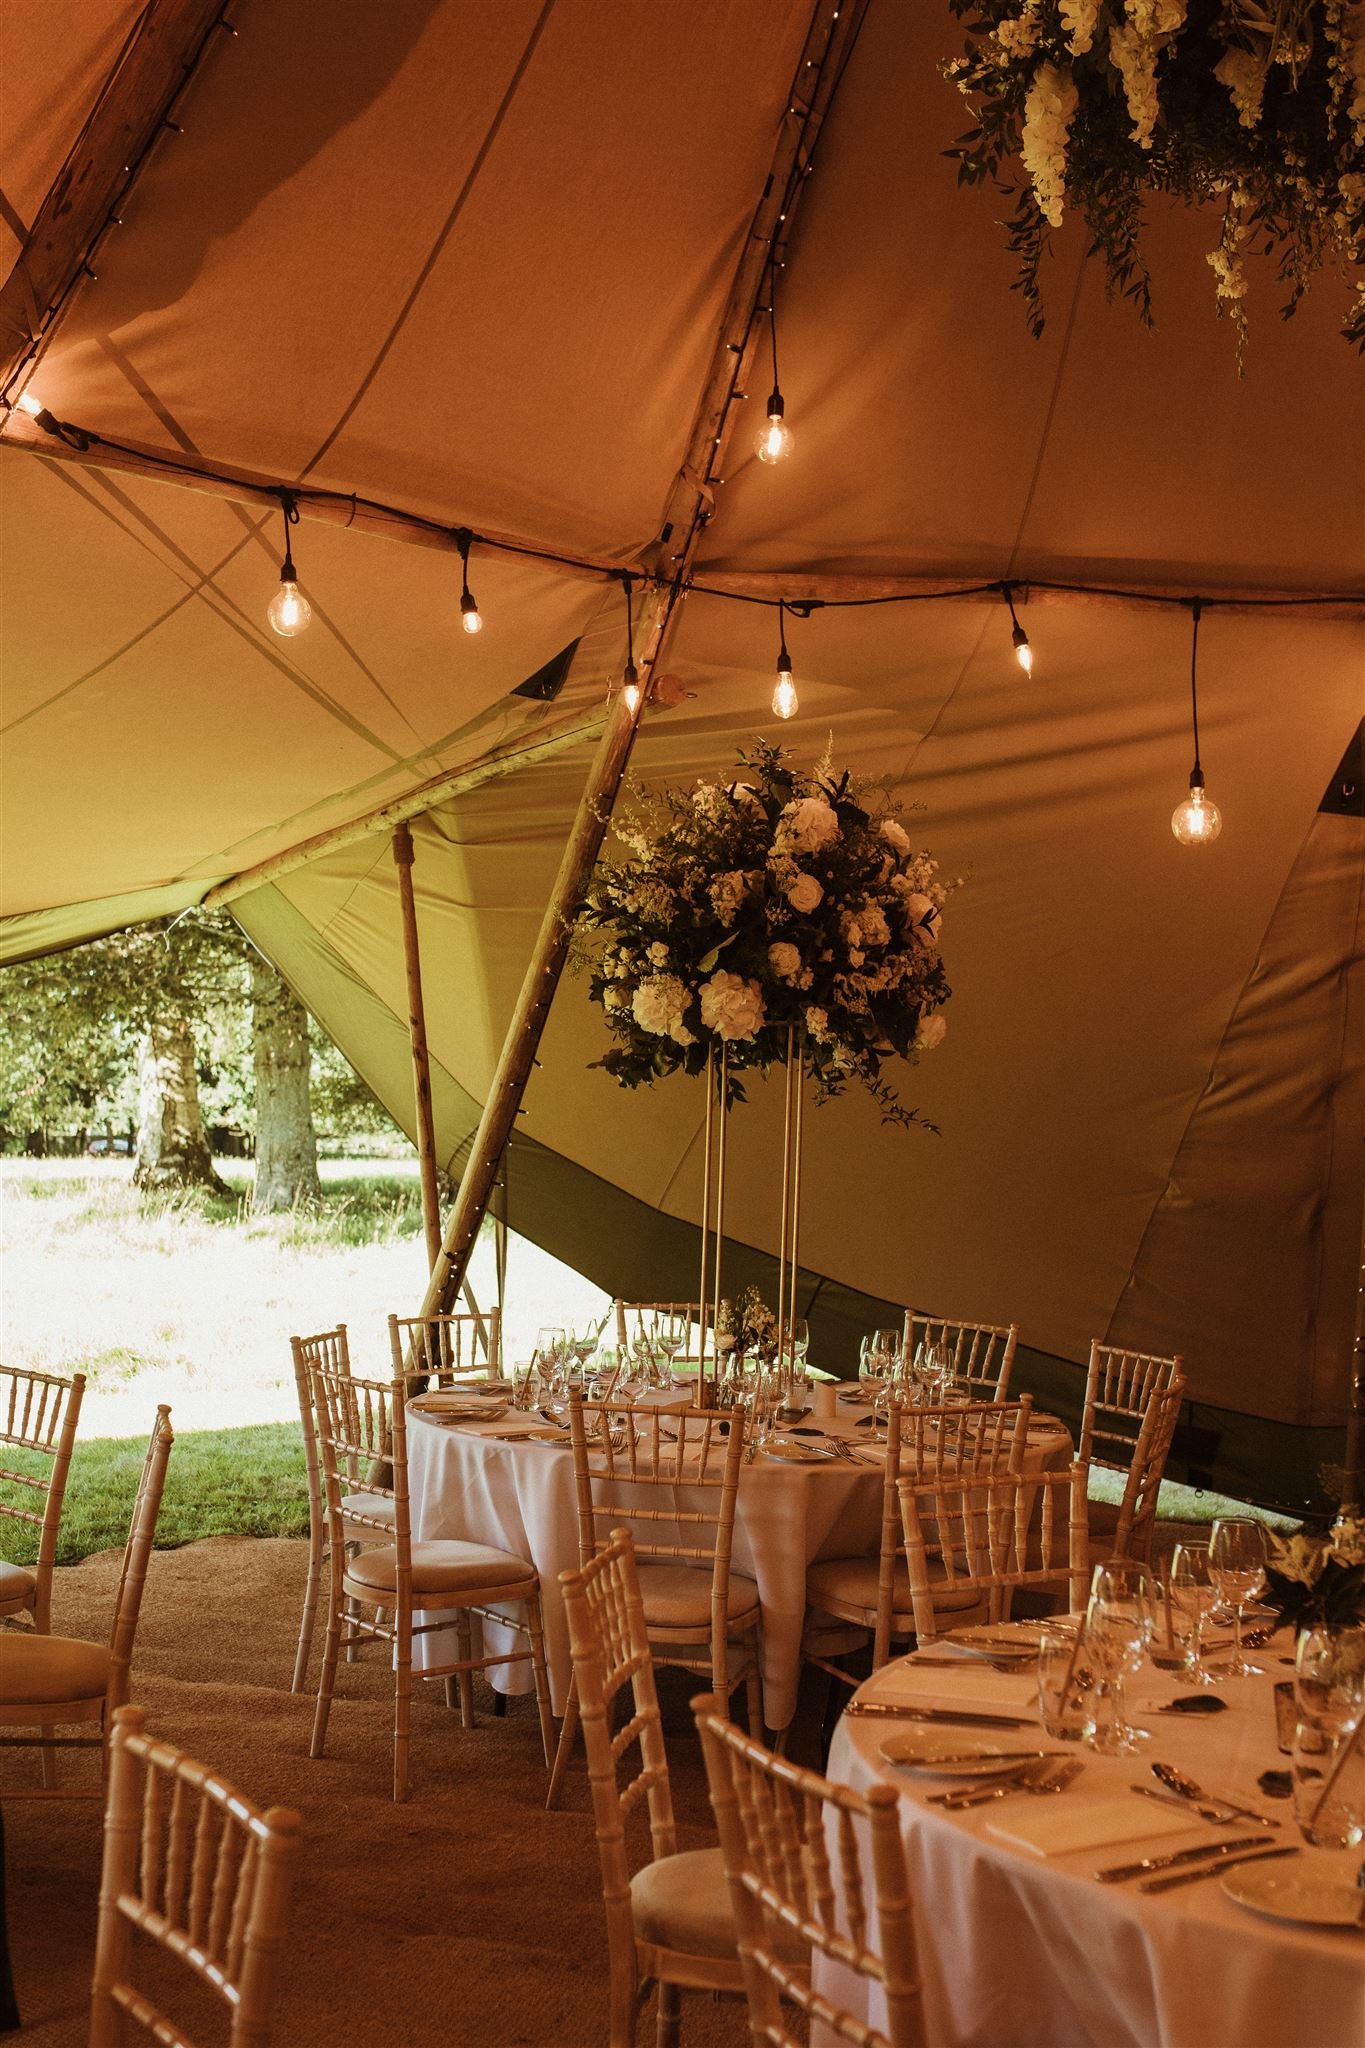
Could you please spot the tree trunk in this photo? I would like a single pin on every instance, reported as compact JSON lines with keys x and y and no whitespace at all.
{"x":286,"y":1143}
{"x":172,"y":1151}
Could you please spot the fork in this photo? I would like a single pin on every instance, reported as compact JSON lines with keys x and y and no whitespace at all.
{"x":1041,"y":1781}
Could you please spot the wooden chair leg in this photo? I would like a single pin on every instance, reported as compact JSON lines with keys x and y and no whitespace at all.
{"x":753,"y":1700}
{"x":568,"y":1732}
{"x":402,"y":1710}
{"x":547,"y":1720}
{"x":310,"y":1608}
{"x":464,"y":1680}
{"x":326,"y":1679}
{"x":669,"y":2025}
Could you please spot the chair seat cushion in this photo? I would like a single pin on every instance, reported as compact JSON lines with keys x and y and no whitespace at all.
{"x":16,"y":1585}
{"x":46,"y":1670}
{"x":678,"y":1596}
{"x":844,"y":1585}
{"x":439,"y":1568}
{"x":377,"y":1506}
{"x":683,"y":1902}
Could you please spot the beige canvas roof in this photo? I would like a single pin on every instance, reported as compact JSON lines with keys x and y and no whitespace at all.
{"x":474,"y":264}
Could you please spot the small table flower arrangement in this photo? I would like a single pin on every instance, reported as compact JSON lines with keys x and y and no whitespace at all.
{"x":1319,"y":1581}
{"x":747,"y":1328}
{"x":745,"y":911}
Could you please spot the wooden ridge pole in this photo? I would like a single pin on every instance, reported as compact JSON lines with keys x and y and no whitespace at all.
{"x":829,"y":37}
{"x":421,"y":1059}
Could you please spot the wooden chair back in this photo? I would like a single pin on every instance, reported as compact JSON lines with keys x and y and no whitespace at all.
{"x":137,"y":1551}
{"x":983,"y":1353}
{"x":1119,"y":1388}
{"x":630,"y":1464}
{"x":993,"y":1534}
{"x":935,"y":1444}
{"x":642,"y":1319}
{"x":362,"y":1448}
{"x":795,"y":1864}
{"x":328,"y":1349}
{"x":447,"y":1349}
{"x":1137,"y":1509}
{"x":39,"y":1413}
{"x":194,"y":1866}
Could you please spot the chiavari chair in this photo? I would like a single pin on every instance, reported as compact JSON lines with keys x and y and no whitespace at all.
{"x":1119,"y":1388}
{"x":39,"y":1414}
{"x":330,"y":1350}
{"x":794,"y":1860}
{"x":1127,"y":1529}
{"x":669,"y":1922}
{"x":630,"y":1465}
{"x":191,"y":1865}
{"x":872,"y":1592}
{"x":447,"y":1350}
{"x":642,"y":1320}
{"x":992,"y":1535}
{"x":362,"y":1432}
{"x":982,"y":1353}
{"x":49,"y":1682}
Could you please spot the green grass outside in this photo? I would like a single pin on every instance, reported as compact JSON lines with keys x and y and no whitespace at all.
{"x":223,"y":1482}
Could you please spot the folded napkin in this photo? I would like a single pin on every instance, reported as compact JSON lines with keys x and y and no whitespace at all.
{"x":1062,"y":1826}
{"x":902,"y":1684}
{"x":458,"y":1401}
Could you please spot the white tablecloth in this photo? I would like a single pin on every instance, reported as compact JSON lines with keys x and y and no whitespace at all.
{"x":520,"y":1496}
{"x":1021,"y":1953}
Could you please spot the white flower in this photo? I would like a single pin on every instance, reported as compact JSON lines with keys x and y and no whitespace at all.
{"x":727,"y":892}
{"x":932,"y":1031}
{"x":731,"y":1006}
{"x":615,"y":999}
{"x":808,"y":825}
{"x":1048,"y":113}
{"x":1078,"y":22}
{"x":875,"y":929}
{"x":658,"y":1004}
{"x":817,"y":1021}
{"x":1019,"y":36}
{"x":658,"y":953}
{"x":895,"y":835}
{"x":1244,"y":76}
{"x":784,"y":960}
{"x":804,"y":893}
{"x":680,"y":1034}
{"x":924,"y":919}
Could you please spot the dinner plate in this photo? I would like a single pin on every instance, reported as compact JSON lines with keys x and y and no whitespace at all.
{"x":1296,"y":1895}
{"x":999,"y":1639}
{"x":946,"y":1754}
{"x":797,"y":1454}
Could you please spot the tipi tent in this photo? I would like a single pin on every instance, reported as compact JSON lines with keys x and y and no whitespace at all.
{"x":460,"y":275}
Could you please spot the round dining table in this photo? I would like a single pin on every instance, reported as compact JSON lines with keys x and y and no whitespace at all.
{"x":802,"y":1502}
{"x":1021,"y":1946}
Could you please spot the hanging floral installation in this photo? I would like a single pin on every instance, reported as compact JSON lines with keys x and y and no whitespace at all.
{"x":749,"y":908}
{"x":1256,"y":108}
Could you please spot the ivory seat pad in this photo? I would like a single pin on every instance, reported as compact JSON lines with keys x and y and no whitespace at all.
{"x":852,"y":1582}
{"x":44,"y":1670}
{"x":377,"y":1506}
{"x":679,"y":1596}
{"x":15,"y":1583}
{"x":440,"y":1567}
{"x":683,"y":1902}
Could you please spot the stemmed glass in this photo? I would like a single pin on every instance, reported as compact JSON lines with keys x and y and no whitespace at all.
{"x":1237,"y":1566}
{"x":1118,"y":1627}
{"x":1192,"y":1587}
{"x":670,"y":1334}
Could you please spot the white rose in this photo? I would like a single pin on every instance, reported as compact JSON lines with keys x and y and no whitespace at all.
{"x":731,"y":1006}
{"x":923,"y":914}
{"x":808,"y":824}
{"x":804,"y":893}
{"x":894,"y":835}
{"x":817,"y":1021}
{"x":658,"y":1004}
{"x":932,"y":1031}
{"x":658,"y":953}
{"x":784,"y":960}
{"x":875,"y":929}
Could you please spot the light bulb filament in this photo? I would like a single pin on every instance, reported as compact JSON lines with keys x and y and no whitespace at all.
{"x":785,"y":700}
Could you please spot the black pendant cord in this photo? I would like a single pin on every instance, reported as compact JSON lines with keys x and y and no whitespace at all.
{"x":784,"y":660}
{"x":1196,"y":607}
{"x":631,"y":674}
{"x":289,"y":506}
{"x":772,"y":323}
{"x":464,"y":540}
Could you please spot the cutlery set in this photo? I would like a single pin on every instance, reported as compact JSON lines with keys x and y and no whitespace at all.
{"x":1040,"y":1778}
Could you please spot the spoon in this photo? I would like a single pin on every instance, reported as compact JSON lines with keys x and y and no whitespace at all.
{"x":1185,"y":1788}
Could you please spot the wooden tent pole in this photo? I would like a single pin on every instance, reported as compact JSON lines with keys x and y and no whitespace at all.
{"x":421,"y":1059}
{"x":518,"y":1054}
{"x":1355,"y":1414}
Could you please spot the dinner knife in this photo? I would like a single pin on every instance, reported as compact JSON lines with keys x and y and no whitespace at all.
{"x":1261,"y":1855}
{"x":887,"y":1710}
{"x":1118,"y":1872}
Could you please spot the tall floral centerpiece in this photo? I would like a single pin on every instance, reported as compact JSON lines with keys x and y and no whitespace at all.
{"x":781,"y":920}
{"x":1255,"y":106}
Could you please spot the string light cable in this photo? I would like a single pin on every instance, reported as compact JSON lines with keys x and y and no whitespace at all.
{"x":773,"y":441}
{"x":1023,"y":653}
{"x":630,"y":675}
{"x":1197,"y":821}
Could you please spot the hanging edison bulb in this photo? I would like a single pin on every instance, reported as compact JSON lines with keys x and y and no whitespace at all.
{"x":1198,"y":821}
{"x":785,"y":700}
{"x":289,"y":611}
{"x":774,"y":440}
{"x":470,"y":616}
{"x":1023,"y":653}
{"x":631,"y":688}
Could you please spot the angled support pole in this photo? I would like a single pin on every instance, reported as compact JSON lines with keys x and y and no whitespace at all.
{"x":417,"y":1036}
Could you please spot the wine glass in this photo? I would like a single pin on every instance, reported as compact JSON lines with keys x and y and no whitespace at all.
{"x":932,"y":1370}
{"x":550,"y":1345}
{"x":670,"y":1334}
{"x":1237,"y":1552}
{"x":871,"y":1368}
{"x":1192,"y":1587}
{"x":1119,"y":1622}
